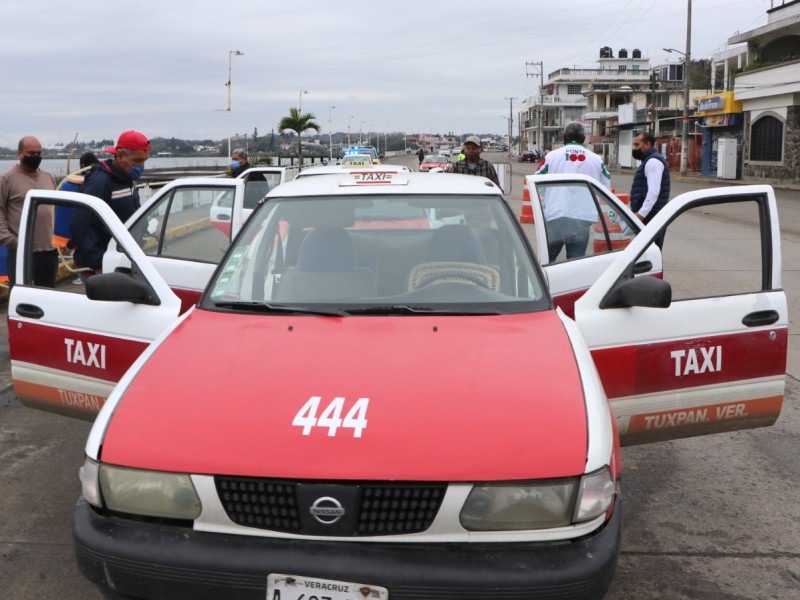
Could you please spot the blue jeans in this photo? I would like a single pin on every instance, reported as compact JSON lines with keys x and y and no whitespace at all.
{"x":572,"y":233}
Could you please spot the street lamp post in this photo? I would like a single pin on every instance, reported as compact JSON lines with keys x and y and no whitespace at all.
{"x":300,"y":101}
{"x":510,"y":122}
{"x":349,"y":119}
{"x":231,"y":53}
{"x":687,"y":60}
{"x":330,"y":133}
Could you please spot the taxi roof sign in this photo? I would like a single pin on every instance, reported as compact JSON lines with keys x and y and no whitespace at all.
{"x":373,"y":178}
{"x":357,"y":161}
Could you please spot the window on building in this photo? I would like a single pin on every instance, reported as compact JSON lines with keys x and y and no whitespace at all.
{"x":622,"y":68}
{"x":766,"y":139}
{"x":573,"y":89}
{"x":671,"y":73}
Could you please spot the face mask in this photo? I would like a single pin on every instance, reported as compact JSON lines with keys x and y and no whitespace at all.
{"x":32,"y":162}
{"x":637,"y":154}
{"x":235,"y":164}
{"x":136,"y":172}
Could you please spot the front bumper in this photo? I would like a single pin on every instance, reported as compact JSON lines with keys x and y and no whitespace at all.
{"x":160,"y":561}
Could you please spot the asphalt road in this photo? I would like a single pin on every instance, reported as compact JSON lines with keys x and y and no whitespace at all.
{"x":708,"y":518}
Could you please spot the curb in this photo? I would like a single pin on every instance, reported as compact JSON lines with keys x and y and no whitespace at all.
{"x":780,"y":185}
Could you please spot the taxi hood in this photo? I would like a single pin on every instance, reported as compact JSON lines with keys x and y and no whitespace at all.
{"x":426,"y":398}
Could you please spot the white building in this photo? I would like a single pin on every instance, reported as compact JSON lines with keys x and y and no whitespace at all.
{"x":766,"y":80}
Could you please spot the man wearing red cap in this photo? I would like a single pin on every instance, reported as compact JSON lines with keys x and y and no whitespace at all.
{"x":114,"y":181}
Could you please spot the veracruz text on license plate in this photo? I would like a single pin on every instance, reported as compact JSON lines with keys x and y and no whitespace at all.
{"x":296,"y":587}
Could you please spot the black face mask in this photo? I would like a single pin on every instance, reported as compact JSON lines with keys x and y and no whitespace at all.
{"x":637,"y":154}
{"x":32,"y":162}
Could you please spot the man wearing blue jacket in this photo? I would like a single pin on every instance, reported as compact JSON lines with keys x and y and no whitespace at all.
{"x":114,"y":182}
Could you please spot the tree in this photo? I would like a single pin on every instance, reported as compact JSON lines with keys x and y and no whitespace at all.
{"x":298,"y":123}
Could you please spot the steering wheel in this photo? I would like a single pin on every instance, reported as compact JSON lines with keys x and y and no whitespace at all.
{"x":455,"y":276}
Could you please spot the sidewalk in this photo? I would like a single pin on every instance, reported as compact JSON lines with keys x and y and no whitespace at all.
{"x":702,"y":180}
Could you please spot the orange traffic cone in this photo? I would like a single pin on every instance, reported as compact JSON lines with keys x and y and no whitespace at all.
{"x":526,"y":216}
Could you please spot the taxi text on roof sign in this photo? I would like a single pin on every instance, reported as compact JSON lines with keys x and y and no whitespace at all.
{"x":373,"y":177}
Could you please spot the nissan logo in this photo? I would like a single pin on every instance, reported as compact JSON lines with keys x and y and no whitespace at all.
{"x":327,"y":510}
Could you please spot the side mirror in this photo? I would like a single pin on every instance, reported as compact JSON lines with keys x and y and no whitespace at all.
{"x":120,"y":287}
{"x":644,"y":291}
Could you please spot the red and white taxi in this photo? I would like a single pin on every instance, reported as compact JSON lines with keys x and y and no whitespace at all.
{"x":356,"y":411}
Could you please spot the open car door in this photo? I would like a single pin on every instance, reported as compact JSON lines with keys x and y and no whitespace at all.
{"x":580,"y":228}
{"x":704,"y":349}
{"x":185,"y":230}
{"x":69,"y":347}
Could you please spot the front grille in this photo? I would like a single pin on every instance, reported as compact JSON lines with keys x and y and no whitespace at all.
{"x":399,"y":508}
{"x":259,"y":503}
{"x":380,"y":509}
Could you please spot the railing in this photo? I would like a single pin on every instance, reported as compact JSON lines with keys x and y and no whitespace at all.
{"x":612,"y":74}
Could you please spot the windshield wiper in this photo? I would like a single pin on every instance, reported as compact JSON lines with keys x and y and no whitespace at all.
{"x":401,"y":309}
{"x":281,"y":308}
{"x":389,"y":309}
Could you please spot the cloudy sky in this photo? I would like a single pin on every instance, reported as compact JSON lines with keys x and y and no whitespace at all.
{"x":98,"y":68}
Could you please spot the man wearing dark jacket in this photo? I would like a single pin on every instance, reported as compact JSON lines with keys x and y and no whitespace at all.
{"x":114,"y":182}
{"x":239,"y":162}
{"x":651,"y":182}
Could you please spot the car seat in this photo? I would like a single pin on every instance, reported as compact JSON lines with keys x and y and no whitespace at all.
{"x":326,"y":271}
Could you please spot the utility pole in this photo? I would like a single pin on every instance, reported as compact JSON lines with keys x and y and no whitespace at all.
{"x":330,"y":133}
{"x":510,"y":122}
{"x":231,"y":53}
{"x":686,"y":86}
{"x":540,"y":74}
{"x":653,"y":103}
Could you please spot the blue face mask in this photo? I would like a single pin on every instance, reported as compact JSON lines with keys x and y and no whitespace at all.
{"x":136,"y":172}
{"x":235,"y":164}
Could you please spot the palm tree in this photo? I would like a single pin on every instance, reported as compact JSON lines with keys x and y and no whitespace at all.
{"x":298,"y":123}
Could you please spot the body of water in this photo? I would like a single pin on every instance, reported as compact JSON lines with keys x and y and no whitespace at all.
{"x":58,"y":166}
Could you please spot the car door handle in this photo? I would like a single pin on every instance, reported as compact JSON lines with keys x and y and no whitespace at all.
{"x":643,"y":266}
{"x":760,"y":317}
{"x":29,"y":310}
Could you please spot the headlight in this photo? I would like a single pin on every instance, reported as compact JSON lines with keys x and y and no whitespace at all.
{"x":149,"y":493}
{"x":596,"y":494}
{"x":523,"y":505}
{"x":90,"y":487}
{"x":520,"y":505}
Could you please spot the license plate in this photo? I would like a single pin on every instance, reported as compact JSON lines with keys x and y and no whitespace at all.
{"x":297,"y":587}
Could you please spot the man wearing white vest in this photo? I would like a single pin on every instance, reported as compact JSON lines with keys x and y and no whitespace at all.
{"x":569,"y":211}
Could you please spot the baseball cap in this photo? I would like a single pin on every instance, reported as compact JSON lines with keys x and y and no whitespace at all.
{"x":474,"y":139}
{"x":130,"y":140}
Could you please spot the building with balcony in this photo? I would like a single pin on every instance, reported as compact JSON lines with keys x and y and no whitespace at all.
{"x":615,"y":101}
{"x":768,"y":86}
{"x":577,"y":94}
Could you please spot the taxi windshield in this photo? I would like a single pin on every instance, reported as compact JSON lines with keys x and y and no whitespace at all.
{"x":380,"y":254}
{"x":363,"y":150}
